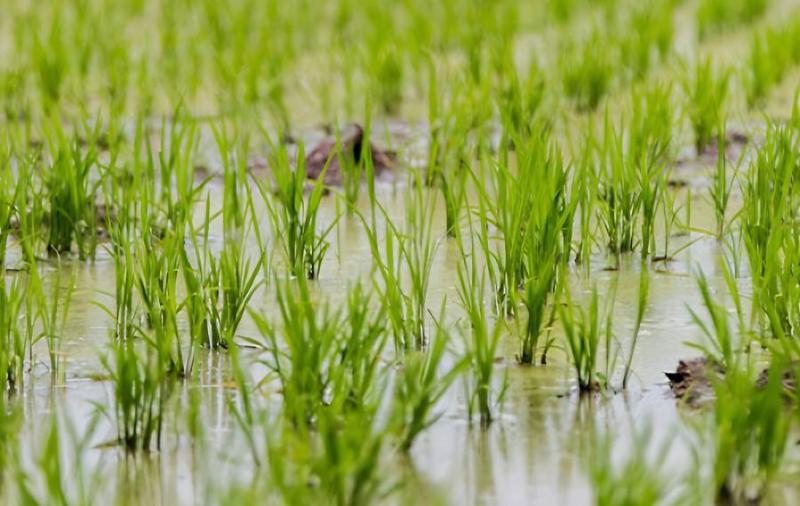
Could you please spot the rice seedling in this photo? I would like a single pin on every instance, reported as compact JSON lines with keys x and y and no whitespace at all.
{"x":641,"y":307}
{"x":715,"y":16}
{"x":53,"y":308}
{"x":408,"y":252}
{"x":640,"y":479}
{"x":706,"y":91}
{"x":13,"y":343}
{"x":481,"y":336}
{"x":294,"y":217}
{"x":721,"y":186}
{"x":766,"y":63}
{"x":647,"y":39}
{"x":141,"y":388}
{"x":583,"y":332}
{"x":586,"y":72}
{"x":71,"y":193}
{"x":619,"y":195}
{"x":532,"y":214}
{"x":749,"y":435}
{"x":766,"y":219}
{"x":421,"y":384}
{"x":301,"y":351}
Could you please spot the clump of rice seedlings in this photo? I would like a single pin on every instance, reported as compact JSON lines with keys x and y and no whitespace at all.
{"x":587,"y":71}
{"x":766,"y":223}
{"x":584,"y":330}
{"x":13,"y":342}
{"x":481,"y":336}
{"x":532,"y":215}
{"x":238,"y":283}
{"x":362,"y":342}
{"x":521,"y":98}
{"x":141,"y":389}
{"x":766,"y":64}
{"x":294,"y":216}
{"x":638,"y":479}
{"x":748,"y":435}
{"x":421,"y":383}
{"x":584,"y":188}
{"x":647,"y":37}
{"x":70,"y":193}
{"x":405,"y":253}
{"x":11,"y":193}
{"x":619,"y":193}
{"x":641,"y":306}
{"x":157,"y":266}
{"x":302,"y":349}
{"x":52,"y":309}
{"x":722,"y":345}
{"x":715,"y":16}
{"x":706,"y":91}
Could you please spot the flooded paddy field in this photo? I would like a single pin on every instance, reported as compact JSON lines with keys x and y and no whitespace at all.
{"x":400,"y":253}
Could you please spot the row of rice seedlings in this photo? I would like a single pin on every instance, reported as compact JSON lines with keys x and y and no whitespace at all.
{"x":715,"y":16}
{"x":772,"y":53}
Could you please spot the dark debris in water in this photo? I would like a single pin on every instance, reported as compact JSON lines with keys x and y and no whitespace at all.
{"x":351,"y":140}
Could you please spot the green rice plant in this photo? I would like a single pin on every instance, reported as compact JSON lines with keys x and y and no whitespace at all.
{"x":722,"y":345}
{"x":721,"y":186}
{"x":715,"y":16}
{"x":585,"y":192}
{"x":767,"y":218}
{"x":14,"y":344}
{"x":620,"y":193}
{"x":422,"y":382}
{"x":362,"y":343}
{"x":481,"y":336}
{"x":647,"y":37}
{"x":418,"y":247}
{"x":641,"y":307}
{"x":770,"y":55}
{"x":294,"y":217}
{"x":583,"y":331}
{"x":70,"y":193}
{"x":238,"y":283}
{"x":587,"y":71}
{"x":638,"y":480}
{"x":706,"y":92}
{"x":405,"y":254}
{"x":530,"y":211}
{"x":141,"y":388}
{"x":11,"y":193}
{"x":52,"y":308}
{"x":749,"y":435}
{"x":302,"y":347}
{"x":157,"y":267}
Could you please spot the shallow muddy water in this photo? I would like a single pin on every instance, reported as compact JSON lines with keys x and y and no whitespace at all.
{"x":533,"y":453}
